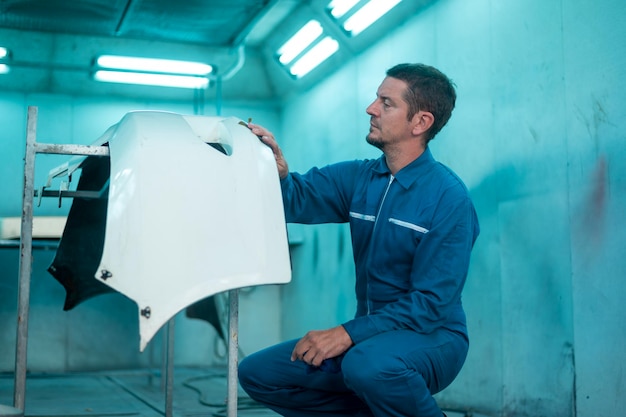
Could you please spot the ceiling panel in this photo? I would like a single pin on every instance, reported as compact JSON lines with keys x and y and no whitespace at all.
{"x":206,"y":22}
{"x":92,"y":16}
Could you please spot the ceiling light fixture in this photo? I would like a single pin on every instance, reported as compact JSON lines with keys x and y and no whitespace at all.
{"x":152,"y":71}
{"x":4,"y":68}
{"x":368,"y":14}
{"x":168,"y":66}
{"x":315,"y":56}
{"x":300,"y":41}
{"x":145,"y":78}
{"x":338,"y":8}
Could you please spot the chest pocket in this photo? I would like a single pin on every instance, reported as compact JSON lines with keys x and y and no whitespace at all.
{"x":408,"y":225}
{"x":397,"y":244}
{"x":403,"y":236}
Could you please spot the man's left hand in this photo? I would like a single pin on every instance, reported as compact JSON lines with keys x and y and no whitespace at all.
{"x":318,"y":345}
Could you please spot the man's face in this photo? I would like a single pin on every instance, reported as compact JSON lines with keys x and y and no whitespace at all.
{"x":388,"y":121}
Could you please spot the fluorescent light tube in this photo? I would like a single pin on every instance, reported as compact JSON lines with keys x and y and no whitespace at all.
{"x":164,"y":80}
{"x":168,"y":66}
{"x":4,"y":68}
{"x":338,"y":8}
{"x":367,"y":15}
{"x":299,"y":42}
{"x":315,"y":56}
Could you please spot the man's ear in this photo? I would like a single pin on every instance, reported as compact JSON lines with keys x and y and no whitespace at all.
{"x":422,"y":121}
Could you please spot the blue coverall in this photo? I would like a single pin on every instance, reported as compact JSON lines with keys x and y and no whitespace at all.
{"x":412,"y":235}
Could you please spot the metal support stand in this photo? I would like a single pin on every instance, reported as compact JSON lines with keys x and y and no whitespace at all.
{"x":233,"y":351}
{"x":169,"y":375}
{"x":26,"y":247}
{"x":25,"y":271}
{"x":26,"y":242}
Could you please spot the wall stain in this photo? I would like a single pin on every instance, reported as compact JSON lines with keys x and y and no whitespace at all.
{"x":599,"y":118}
{"x":534,"y":134}
{"x":596,"y":206}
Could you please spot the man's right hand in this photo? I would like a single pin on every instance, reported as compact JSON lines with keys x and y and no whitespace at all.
{"x":268,"y":138}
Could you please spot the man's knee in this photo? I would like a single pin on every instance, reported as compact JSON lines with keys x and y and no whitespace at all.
{"x":244,"y":372}
{"x":259,"y":369}
{"x":360,"y":371}
{"x":249,"y":373}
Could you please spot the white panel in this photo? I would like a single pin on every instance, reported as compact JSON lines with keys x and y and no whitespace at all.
{"x":186,"y":221}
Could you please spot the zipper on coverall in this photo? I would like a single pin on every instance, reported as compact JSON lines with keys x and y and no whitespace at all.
{"x":380,"y":206}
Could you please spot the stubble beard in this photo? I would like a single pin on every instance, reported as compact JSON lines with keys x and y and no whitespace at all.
{"x":375,"y":141}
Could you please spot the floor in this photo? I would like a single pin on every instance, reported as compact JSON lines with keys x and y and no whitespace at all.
{"x":197,"y":392}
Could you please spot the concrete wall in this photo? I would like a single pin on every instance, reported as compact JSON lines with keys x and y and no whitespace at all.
{"x":538,"y":136}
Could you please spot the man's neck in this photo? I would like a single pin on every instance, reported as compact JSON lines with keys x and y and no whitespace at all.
{"x":399,"y":157}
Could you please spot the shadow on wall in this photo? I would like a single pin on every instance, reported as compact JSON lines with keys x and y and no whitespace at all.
{"x":519,"y":298}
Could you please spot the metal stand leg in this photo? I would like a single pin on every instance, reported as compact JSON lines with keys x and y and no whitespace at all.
{"x":164,"y":362}
{"x":26,"y":240}
{"x":233,"y":352}
{"x":169,"y":385}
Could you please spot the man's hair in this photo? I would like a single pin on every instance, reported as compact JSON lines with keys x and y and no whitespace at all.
{"x":429,"y":90}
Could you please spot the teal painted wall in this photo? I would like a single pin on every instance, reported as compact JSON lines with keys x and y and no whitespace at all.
{"x":538,"y":136}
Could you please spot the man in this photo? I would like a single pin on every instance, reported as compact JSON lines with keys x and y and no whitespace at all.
{"x":413,"y":226}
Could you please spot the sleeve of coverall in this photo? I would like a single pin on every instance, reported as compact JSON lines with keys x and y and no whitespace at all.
{"x":322,"y":195}
{"x":438,"y":273}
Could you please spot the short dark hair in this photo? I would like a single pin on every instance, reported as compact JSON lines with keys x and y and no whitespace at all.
{"x":429,"y":90}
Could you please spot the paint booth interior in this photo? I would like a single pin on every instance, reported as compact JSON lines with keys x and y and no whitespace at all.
{"x":136,"y":243}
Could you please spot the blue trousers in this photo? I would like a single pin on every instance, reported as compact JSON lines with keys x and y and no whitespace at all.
{"x":391,"y":374}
